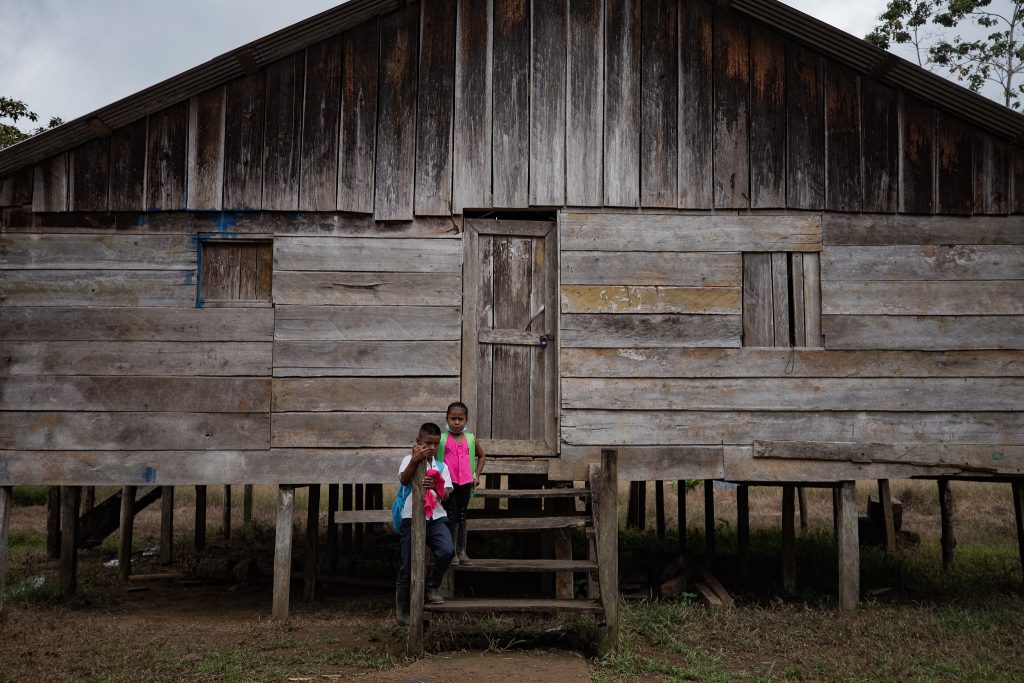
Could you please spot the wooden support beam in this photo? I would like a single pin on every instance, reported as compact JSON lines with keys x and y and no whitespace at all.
{"x":835,"y":512}
{"x":167,"y":525}
{"x":1018,"y":508}
{"x":346,"y":529}
{"x":418,"y":559}
{"x":493,"y":483}
{"x":849,"y":546}
{"x":681,"y":513}
{"x":6,"y":503}
{"x":70,"y":499}
{"x":312,"y":542}
{"x":247,"y":508}
{"x":788,"y":540}
{"x":53,"y":522}
{"x":709,"y":520}
{"x":563,"y":551}
{"x":88,"y":498}
{"x":636,"y":512}
{"x":743,"y":529}
{"x":360,"y":528}
{"x":332,"y":528}
{"x":888,"y":519}
{"x":124,"y":546}
{"x":948,"y":541}
{"x":801,"y":495}
{"x":606,"y":490}
{"x":659,"y":508}
{"x":227,"y":511}
{"x":283,"y":551}
{"x":200,"y":531}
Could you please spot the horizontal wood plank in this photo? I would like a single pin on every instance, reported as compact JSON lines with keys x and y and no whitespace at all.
{"x":741,"y":466}
{"x":515,"y":447}
{"x":931,"y":297}
{"x":975,"y":458}
{"x":633,"y":299}
{"x":171,"y":288}
{"x":922,"y":262}
{"x":348,"y":429}
{"x":643,"y":463}
{"x":788,"y":362}
{"x":135,"y":358}
{"x":677,"y":232}
{"x":365,"y":323}
{"x":99,"y":252}
{"x":323,"y":394}
{"x":367,"y":289}
{"x":367,"y":254}
{"x":135,"y":324}
{"x":840,"y":229}
{"x":928,"y":333}
{"x":673,"y":269}
{"x":366,"y":359}
{"x":642,"y":331}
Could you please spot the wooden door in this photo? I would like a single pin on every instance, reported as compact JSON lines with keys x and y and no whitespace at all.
{"x":510,"y":351}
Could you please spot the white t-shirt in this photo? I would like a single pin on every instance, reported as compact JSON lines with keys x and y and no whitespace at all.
{"x":432,"y":464}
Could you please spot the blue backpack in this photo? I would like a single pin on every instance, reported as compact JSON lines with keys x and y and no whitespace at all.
{"x":396,"y":508}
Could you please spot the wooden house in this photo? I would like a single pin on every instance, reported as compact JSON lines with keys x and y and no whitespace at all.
{"x":725,"y":239}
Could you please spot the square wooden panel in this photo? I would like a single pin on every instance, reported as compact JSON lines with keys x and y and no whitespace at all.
{"x":236,"y":273}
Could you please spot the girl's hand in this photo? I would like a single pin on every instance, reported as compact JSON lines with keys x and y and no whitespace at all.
{"x":476,"y":482}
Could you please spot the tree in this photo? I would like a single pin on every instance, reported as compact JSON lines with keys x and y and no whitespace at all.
{"x":13,"y":110}
{"x":929,"y":27}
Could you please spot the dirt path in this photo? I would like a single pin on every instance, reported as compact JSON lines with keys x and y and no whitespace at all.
{"x":489,"y":667}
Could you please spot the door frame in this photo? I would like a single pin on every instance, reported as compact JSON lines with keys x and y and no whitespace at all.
{"x":471,"y":283}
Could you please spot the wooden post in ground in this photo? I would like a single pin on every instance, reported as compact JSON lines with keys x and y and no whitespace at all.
{"x":53,"y":522}
{"x":492,"y":482}
{"x":1018,"y":508}
{"x":788,"y":539}
{"x":312,"y":541}
{"x":283,"y":551}
{"x":835,"y":512}
{"x":801,"y":495}
{"x":681,"y":513}
{"x":346,"y":528}
{"x":659,"y":508}
{"x":636,"y":513}
{"x":948,"y":541}
{"x":888,"y":519}
{"x":6,"y":503}
{"x":332,"y":528}
{"x":88,"y":498}
{"x":124,"y":546}
{"x":360,"y":505}
{"x":227,"y":511}
{"x":167,"y":525}
{"x":709,"y":520}
{"x":247,"y":508}
{"x":418,"y":560}
{"x":70,"y":498}
{"x":849,"y":546}
{"x":200,"y":531}
{"x":743,"y":529}
{"x":607,"y":532}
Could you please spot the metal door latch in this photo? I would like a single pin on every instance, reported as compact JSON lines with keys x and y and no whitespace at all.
{"x":543,"y":343}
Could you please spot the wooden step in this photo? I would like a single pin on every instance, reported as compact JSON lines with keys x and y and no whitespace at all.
{"x":531,"y":493}
{"x":363,"y":516}
{"x":525,"y":523}
{"x":493,"y":565}
{"x":515,"y":605}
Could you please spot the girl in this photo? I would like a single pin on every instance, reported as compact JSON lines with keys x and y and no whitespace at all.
{"x":461,"y":452}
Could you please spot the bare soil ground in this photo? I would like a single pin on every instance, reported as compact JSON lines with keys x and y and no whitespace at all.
{"x":916,"y":623}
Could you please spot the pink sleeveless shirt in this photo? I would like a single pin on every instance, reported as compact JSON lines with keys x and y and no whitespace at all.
{"x":456,"y":457}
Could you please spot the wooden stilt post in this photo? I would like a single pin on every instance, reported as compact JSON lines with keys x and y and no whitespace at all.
{"x":6,"y":503}
{"x":70,"y":498}
{"x":346,"y":529}
{"x":835,"y":512}
{"x":53,"y":522}
{"x":948,"y":541}
{"x":849,"y":546}
{"x":200,"y":532}
{"x":283,"y":551}
{"x":418,"y":560}
{"x":607,"y":515}
{"x":889,"y":521}
{"x":312,"y":541}
{"x":360,"y":505}
{"x":1018,"y":508}
{"x":681,"y":513}
{"x":247,"y":508}
{"x":227,"y":511}
{"x":709,"y":520}
{"x":659,"y":508}
{"x":636,"y":515}
{"x":124,"y":546}
{"x":167,"y":525}
{"x":332,"y":528}
{"x":492,"y":482}
{"x":88,"y":498}
{"x":801,"y":495}
{"x":743,"y":529}
{"x":788,"y":540}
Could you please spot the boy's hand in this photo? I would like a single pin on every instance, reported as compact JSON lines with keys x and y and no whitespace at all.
{"x":428,"y":483}
{"x":420,"y":453}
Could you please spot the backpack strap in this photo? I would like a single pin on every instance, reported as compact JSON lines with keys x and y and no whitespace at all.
{"x":440,"y":447}
{"x":471,"y":442}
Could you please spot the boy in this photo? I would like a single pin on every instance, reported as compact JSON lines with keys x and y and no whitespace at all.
{"x":439,"y":539}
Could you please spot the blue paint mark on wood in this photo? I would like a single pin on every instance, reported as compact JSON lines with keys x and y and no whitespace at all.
{"x":149,"y":475}
{"x":5,"y":472}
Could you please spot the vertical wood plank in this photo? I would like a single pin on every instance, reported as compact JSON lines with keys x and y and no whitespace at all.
{"x":88,"y":499}
{"x":128,"y":167}
{"x":812,"y":300}
{"x":1017,"y":181}
{"x":606,"y":487}
{"x":90,"y":176}
{"x":681,"y":514}
{"x":547,"y":103}
{"x":805,"y":112}
{"x":283,"y":552}
{"x":843,"y":184}
{"x":743,"y":529}
{"x":849,"y":545}
{"x":510,"y":137}
{"x":801,"y":499}
{"x":321,"y":127}
{"x":758,"y":313}
{"x":511,"y":387}
{"x":731,"y":101}
{"x":332,"y":528}
{"x":435,"y":108}
{"x":947,"y":539}
{"x":622,"y":103}
{"x":709,"y":521}
{"x":796,"y":287}
{"x":70,"y":496}
{"x":917,"y":156}
{"x":50,"y":185}
{"x":127,"y":526}
{"x":226,"y":510}
{"x":247,"y":508}
{"x":360,"y":58}
{"x":312,"y":542}
{"x":585,"y":98}
{"x":767,"y":119}
{"x":991,"y":175}
{"x":167,"y":149}
{"x":788,"y":539}
{"x":780,"y":299}
{"x":695,"y":106}
{"x":243,"y":142}
{"x":53,"y":522}
{"x":888,"y":520}
{"x":6,"y":503}
{"x":167,"y":525}
{"x":396,"y":117}
{"x":472,"y":143}
{"x":346,"y":528}
{"x":199,"y":536}
{"x":659,"y":508}
{"x":659,"y":136}
{"x":879,"y":147}
{"x":564,"y":589}
{"x":953,"y":166}
{"x":418,"y":560}
{"x":282,"y":135}
{"x":206,"y":113}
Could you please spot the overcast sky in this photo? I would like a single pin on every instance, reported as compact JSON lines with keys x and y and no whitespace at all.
{"x":71,"y":57}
